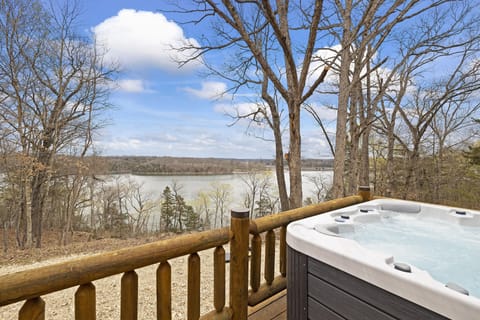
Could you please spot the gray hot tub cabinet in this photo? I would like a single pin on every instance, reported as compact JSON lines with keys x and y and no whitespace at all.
{"x":318,"y":291}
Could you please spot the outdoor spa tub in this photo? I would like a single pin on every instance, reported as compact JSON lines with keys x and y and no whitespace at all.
{"x":385,"y":259}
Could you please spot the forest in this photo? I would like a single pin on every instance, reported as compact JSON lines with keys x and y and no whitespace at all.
{"x":175,"y":165}
{"x":402,"y":77}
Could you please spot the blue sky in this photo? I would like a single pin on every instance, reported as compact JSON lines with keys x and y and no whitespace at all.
{"x":161,"y":110}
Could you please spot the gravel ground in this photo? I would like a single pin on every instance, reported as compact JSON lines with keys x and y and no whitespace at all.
{"x":60,"y":305}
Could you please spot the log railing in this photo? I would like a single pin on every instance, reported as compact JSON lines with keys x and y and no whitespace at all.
{"x":30,"y":285}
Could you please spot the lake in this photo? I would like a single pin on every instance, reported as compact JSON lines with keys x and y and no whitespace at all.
{"x":191,"y":185}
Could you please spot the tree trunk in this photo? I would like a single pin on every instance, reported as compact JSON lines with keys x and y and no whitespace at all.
{"x":5,"y":237}
{"x":28,"y":215}
{"x":338,"y":189}
{"x":38,"y":197}
{"x":354,"y":161}
{"x":93,"y":221}
{"x":20,"y":227}
{"x":364,"y":179}
{"x":341,"y":130}
{"x":366,"y":116}
{"x":40,"y":184}
{"x":410,"y":183}
{"x":295,"y":158}
{"x":353,"y":154}
{"x":279,"y":165}
{"x":438,"y":157}
{"x":72,"y":198}
{"x":390,"y":174}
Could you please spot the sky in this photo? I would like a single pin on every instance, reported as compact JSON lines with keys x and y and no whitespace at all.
{"x":160,"y":109}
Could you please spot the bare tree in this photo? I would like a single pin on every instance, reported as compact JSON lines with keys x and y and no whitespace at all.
{"x":71,"y":185}
{"x":220,"y":194}
{"x":270,"y":57}
{"x":17,"y":32}
{"x":415,"y":97}
{"x":257,"y":183}
{"x":420,"y":111}
{"x":143,"y":206}
{"x":55,"y":85}
{"x":202,"y":206}
{"x":358,"y":30}
{"x":321,"y":187}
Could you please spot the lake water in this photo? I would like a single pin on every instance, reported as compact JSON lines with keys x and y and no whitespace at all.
{"x":192,"y":185}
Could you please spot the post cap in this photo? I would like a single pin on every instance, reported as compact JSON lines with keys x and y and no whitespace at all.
{"x":364,"y":188}
{"x":240,"y":213}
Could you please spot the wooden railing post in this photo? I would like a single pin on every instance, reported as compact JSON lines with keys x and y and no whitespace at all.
{"x":269,"y":272}
{"x":239,"y":226}
{"x":255,"y":262}
{"x":219,"y":278}
{"x":164,"y":291}
{"x":364,"y":192}
{"x":129,"y":296}
{"x":85,"y":302}
{"x":33,"y":309}
{"x":283,"y":251}
{"x":193,"y":288}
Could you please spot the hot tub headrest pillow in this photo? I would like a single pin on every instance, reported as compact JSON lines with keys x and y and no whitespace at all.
{"x":401,"y":207}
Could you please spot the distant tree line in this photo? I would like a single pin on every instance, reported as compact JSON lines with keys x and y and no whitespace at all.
{"x":179,"y":165}
{"x":184,"y":166}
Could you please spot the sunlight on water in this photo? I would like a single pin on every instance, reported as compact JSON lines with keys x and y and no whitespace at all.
{"x":449,"y":252}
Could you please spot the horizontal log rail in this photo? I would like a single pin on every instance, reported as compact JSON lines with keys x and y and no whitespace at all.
{"x":274,"y":221}
{"x":40,"y":281}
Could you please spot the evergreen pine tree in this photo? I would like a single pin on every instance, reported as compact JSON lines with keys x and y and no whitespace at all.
{"x":168,"y":209}
{"x":192,"y":219}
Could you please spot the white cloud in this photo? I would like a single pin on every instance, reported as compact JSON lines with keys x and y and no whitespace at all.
{"x":315,"y":145}
{"x":132,"y":85}
{"x":320,"y":58}
{"x":325,"y":113}
{"x":205,"y":140}
{"x":211,"y":90}
{"x":141,"y":39}
{"x":234,"y":109}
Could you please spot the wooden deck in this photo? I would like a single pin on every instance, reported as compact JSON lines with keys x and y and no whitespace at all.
{"x":274,"y":308}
